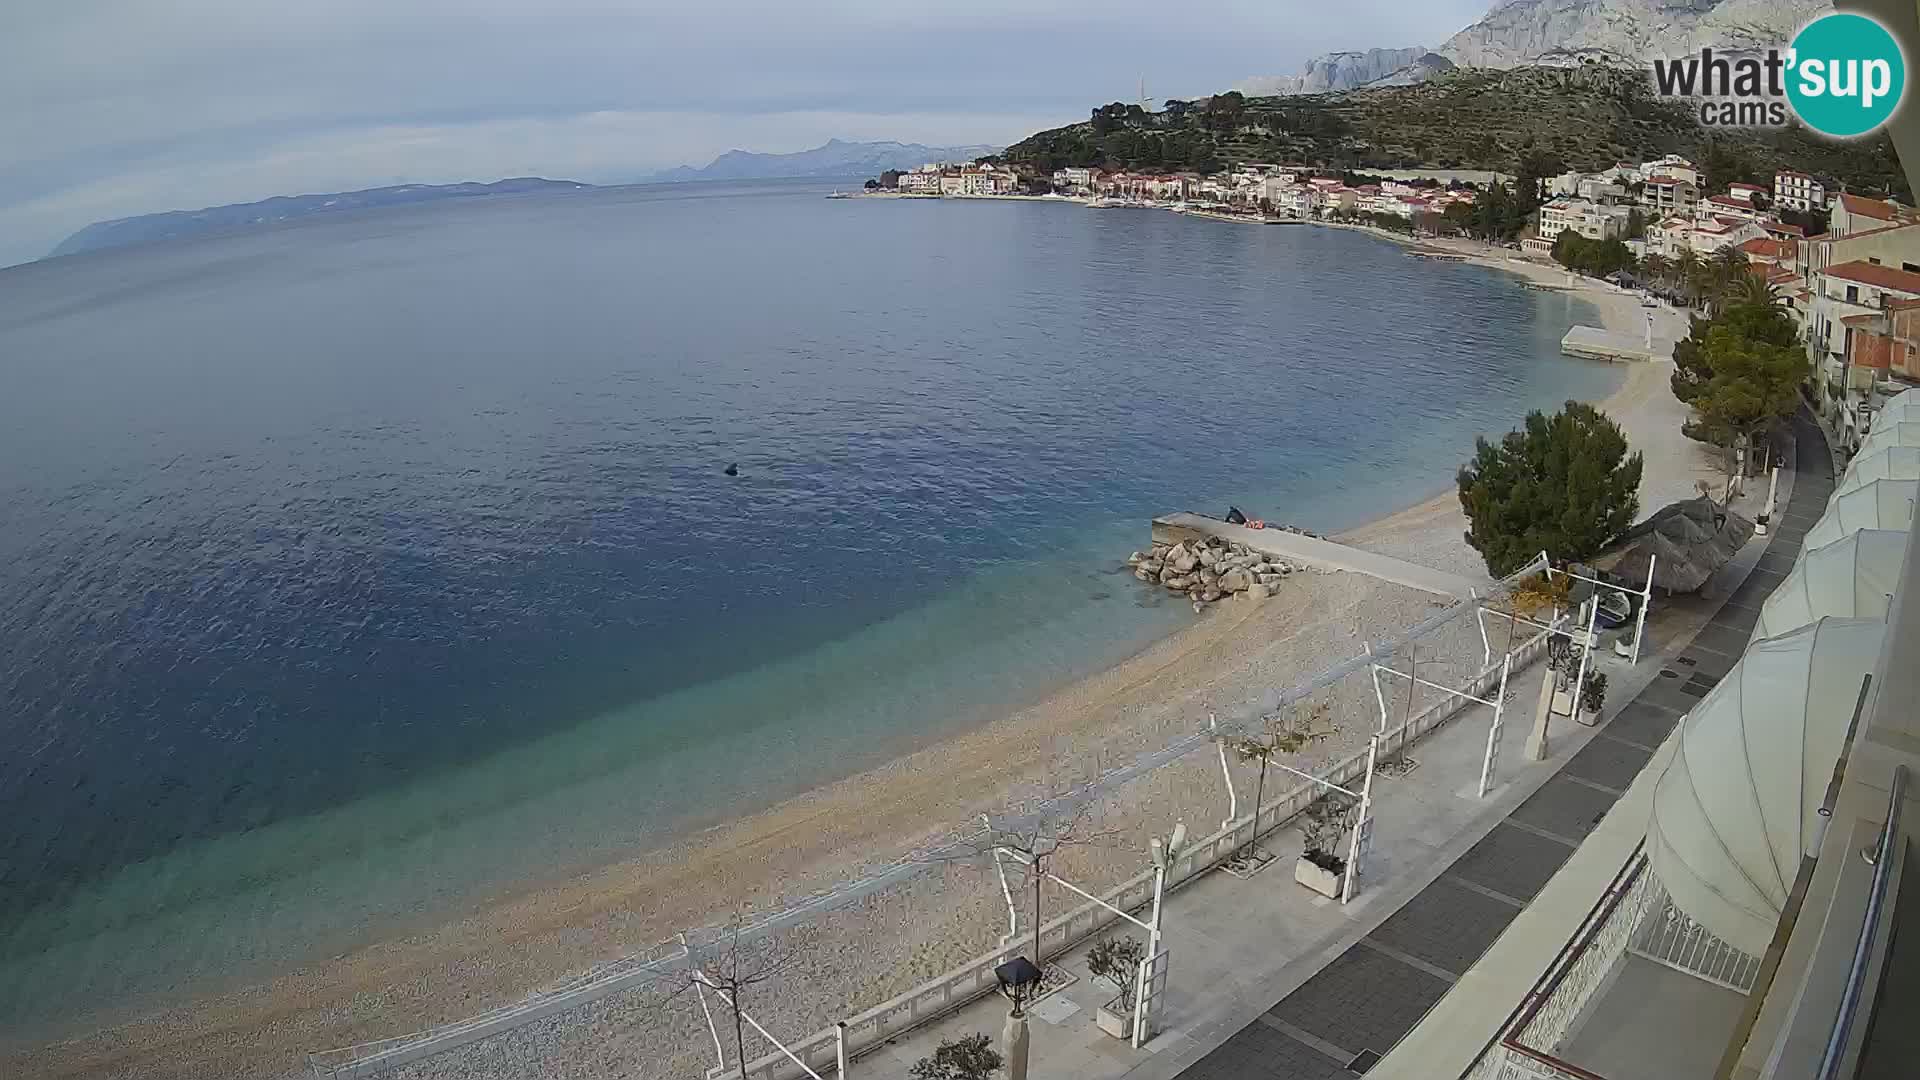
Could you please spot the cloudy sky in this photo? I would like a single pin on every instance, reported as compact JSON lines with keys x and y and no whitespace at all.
{"x":120,"y":107}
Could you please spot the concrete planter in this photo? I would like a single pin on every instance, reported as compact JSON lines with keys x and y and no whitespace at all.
{"x":1116,"y":1019}
{"x":1313,"y":876}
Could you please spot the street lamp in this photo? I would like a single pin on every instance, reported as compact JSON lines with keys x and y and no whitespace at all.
{"x":1019,"y":981}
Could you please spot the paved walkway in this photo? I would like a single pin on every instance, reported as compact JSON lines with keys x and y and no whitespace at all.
{"x":1270,"y":981}
{"x":1325,"y":554}
{"x":1339,"y":1022}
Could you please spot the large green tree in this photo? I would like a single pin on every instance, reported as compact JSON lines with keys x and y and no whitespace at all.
{"x":1564,"y":484}
{"x":1751,"y":386}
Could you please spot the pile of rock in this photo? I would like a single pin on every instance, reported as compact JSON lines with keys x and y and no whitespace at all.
{"x":1210,"y":568}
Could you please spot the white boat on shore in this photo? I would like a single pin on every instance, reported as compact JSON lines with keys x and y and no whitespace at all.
{"x":838,"y":194}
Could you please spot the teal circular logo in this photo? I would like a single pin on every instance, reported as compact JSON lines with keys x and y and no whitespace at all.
{"x":1845,"y":75}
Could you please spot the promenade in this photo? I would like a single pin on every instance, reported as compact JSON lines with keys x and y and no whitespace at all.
{"x":1270,"y":982}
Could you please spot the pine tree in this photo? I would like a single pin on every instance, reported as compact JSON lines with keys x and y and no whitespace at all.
{"x":1564,"y":484}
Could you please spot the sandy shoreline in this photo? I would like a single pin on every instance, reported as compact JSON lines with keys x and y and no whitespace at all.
{"x":502,"y":950}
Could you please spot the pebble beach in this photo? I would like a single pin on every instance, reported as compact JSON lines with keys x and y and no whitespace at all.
{"x":853,"y":958}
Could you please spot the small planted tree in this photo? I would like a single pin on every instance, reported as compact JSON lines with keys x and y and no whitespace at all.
{"x":1564,"y":484}
{"x":1322,"y":827}
{"x":1116,"y":962}
{"x":1276,"y":737}
{"x":1593,"y":692}
{"x":968,"y":1057}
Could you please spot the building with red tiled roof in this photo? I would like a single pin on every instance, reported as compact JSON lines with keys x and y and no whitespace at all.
{"x":1857,"y":213}
{"x":1877,"y":276}
{"x":1847,"y":289}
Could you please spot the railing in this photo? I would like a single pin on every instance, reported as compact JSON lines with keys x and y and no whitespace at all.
{"x":1666,"y":935}
{"x":1883,"y":860}
{"x":1534,"y":1034}
{"x":975,"y":977}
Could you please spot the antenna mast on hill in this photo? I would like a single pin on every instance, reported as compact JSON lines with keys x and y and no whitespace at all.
{"x":1144,"y":107}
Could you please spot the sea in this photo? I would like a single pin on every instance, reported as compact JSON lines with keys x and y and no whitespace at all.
{"x":358,"y":569}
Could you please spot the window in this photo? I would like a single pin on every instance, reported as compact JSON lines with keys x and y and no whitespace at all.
{"x":1853,"y":294}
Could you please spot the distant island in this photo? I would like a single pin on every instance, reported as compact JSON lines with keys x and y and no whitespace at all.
{"x":174,"y":224}
{"x":835,"y":157}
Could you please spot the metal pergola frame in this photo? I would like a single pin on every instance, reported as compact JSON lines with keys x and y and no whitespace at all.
{"x":1163,"y":857}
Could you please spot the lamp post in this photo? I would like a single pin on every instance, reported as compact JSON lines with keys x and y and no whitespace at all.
{"x":1019,"y":979}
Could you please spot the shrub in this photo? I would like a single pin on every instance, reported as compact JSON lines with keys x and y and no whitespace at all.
{"x":968,"y":1057}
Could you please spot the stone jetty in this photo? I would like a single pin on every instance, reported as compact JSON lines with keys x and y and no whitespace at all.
{"x":1208,"y":568}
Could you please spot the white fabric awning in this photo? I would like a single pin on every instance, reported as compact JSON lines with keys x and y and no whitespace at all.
{"x":1737,"y":806}
{"x":1853,"y":577}
{"x":1895,"y":434}
{"x":1901,"y":407}
{"x":1885,"y":463}
{"x":1881,"y":504}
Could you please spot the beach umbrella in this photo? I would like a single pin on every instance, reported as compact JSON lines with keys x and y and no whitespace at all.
{"x":1739,"y":802}
{"x":1885,"y":463}
{"x":1853,"y":577}
{"x":1898,"y":434}
{"x":1879,"y":504}
{"x":1686,"y":542}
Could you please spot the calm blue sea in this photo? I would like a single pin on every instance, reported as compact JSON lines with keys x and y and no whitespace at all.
{"x":352,"y":569}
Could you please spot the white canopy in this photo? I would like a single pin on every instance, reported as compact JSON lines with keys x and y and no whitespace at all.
{"x":1737,"y":805}
{"x":1853,"y":577}
{"x":1885,"y":463}
{"x":1881,"y":504}
{"x":1901,"y":407}
{"x":1895,"y":434}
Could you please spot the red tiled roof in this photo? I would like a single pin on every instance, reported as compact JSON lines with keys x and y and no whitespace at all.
{"x":1881,"y":277}
{"x":1873,"y":208}
{"x":1745,"y":187}
{"x":1764,"y":248}
{"x":1783,"y":227}
{"x":1791,"y":175}
{"x":1664,"y":180}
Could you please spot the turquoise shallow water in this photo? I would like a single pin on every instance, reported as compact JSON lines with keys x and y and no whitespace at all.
{"x":356,"y":569}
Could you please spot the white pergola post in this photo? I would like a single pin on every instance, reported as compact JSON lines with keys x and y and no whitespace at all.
{"x":704,"y":983}
{"x":1487,"y":764}
{"x":1646,"y":601}
{"x":1013,"y":916}
{"x":1362,"y":827}
{"x":1480,"y":616}
{"x":1497,"y":703}
{"x":1233,"y":799}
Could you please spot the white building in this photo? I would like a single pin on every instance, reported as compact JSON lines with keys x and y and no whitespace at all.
{"x":1666,"y":193}
{"x":1673,"y":235}
{"x":1731,"y":206}
{"x":1798,"y":191}
{"x":1589,"y":219}
{"x":1672,"y":165}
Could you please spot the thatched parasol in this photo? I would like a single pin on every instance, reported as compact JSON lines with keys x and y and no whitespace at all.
{"x":1692,"y":539}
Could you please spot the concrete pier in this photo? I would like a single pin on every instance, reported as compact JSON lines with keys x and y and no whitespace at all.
{"x":1598,"y":344}
{"x":1325,"y":554}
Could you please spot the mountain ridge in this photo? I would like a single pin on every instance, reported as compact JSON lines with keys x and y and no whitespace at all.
{"x":835,"y":157}
{"x":177,"y":224}
{"x":1561,"y":33}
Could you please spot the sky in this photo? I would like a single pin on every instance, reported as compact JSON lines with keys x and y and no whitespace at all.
{"x":110,"y":108}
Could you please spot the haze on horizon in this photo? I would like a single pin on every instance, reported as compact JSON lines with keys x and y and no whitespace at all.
{"x":124,"y":107}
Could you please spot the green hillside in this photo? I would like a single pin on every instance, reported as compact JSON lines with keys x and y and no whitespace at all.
{"x":1582,"y":118}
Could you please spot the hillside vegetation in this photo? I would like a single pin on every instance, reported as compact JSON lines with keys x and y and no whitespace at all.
{"x":1581,"y":118}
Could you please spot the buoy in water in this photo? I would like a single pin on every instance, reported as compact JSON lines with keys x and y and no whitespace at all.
{"x":733,"y":469}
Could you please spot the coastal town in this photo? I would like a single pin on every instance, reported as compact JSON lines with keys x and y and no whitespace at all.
{"x":1845,"y":266}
